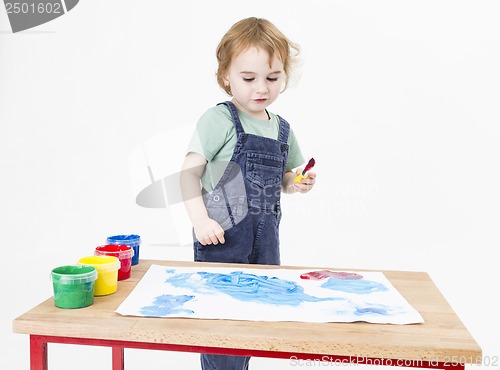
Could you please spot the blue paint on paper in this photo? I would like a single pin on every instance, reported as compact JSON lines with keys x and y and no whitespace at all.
{"x":248,"y":287}
{"x":167,"y":304}
{"x":359,"y":286}
{"x":380,"y":310}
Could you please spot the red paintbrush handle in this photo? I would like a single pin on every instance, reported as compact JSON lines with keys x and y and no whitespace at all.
{"x":309,"y":165}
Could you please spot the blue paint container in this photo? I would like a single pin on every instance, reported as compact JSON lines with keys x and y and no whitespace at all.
{"x":132,"y":240}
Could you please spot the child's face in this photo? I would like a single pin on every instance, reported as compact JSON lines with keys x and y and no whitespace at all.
{"x":254,"y":84}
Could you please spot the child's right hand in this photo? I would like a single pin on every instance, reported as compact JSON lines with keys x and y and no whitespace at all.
{"x":208,"y":231}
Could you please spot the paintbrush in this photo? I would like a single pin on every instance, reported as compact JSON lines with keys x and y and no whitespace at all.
{"x":303,"y":175}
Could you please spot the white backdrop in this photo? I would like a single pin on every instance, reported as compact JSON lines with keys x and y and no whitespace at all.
{"x":398,"y":102}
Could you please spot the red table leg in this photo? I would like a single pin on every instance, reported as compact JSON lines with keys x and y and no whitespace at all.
{"x":38,"y":353}
{"x":118,"y":358}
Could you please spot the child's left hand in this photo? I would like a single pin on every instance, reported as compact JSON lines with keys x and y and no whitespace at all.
{"x":306,"y":183}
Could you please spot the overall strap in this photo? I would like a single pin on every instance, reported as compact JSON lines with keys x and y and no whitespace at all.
{"x":234,"y":115}
{"x":284,"y":130}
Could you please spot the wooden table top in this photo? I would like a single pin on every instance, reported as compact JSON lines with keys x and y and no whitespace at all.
{"x":442,"y":337}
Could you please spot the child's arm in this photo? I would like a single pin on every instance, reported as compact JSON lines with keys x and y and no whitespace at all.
{"x":206,"y":230}
{"x":288,"y":186}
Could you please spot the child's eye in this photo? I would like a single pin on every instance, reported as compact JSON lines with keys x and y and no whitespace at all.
{"x":248,"y":79}
{"x":272,"y":79}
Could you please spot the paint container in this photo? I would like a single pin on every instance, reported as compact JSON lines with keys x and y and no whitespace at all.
{"x":73,"y":286}
{"x":107,"y":273}
{"x":131,"y":240}
{"x":123,"y":252}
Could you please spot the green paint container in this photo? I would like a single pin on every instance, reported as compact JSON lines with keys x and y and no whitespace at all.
{"x":73,"y":286}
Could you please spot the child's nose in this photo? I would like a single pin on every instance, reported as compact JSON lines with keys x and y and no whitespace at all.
{"x":262,"y":87}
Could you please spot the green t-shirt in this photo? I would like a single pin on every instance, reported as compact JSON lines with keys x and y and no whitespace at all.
{"x":215,"y":138}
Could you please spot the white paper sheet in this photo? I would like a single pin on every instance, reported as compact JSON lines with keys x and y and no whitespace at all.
{"x":267,"y":295}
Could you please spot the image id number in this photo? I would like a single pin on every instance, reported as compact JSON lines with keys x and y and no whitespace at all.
{"x":40,"y":8}
{"x":480,"y":360}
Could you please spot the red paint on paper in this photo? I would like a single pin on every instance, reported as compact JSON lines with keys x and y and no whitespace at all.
{"x":325,"y":274}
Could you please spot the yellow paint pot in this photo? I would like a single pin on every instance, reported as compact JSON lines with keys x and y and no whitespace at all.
{"x":107,"y":273}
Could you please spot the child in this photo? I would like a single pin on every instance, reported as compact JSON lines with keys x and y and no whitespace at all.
{"x":244,"y":156}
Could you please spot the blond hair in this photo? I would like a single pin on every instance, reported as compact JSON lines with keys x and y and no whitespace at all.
{"x":257,"y":32}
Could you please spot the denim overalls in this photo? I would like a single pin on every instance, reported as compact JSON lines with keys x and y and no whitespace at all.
{"x":246,"y":203}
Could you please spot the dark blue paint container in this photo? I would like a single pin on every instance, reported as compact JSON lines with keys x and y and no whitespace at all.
{"x":132,"y":240}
